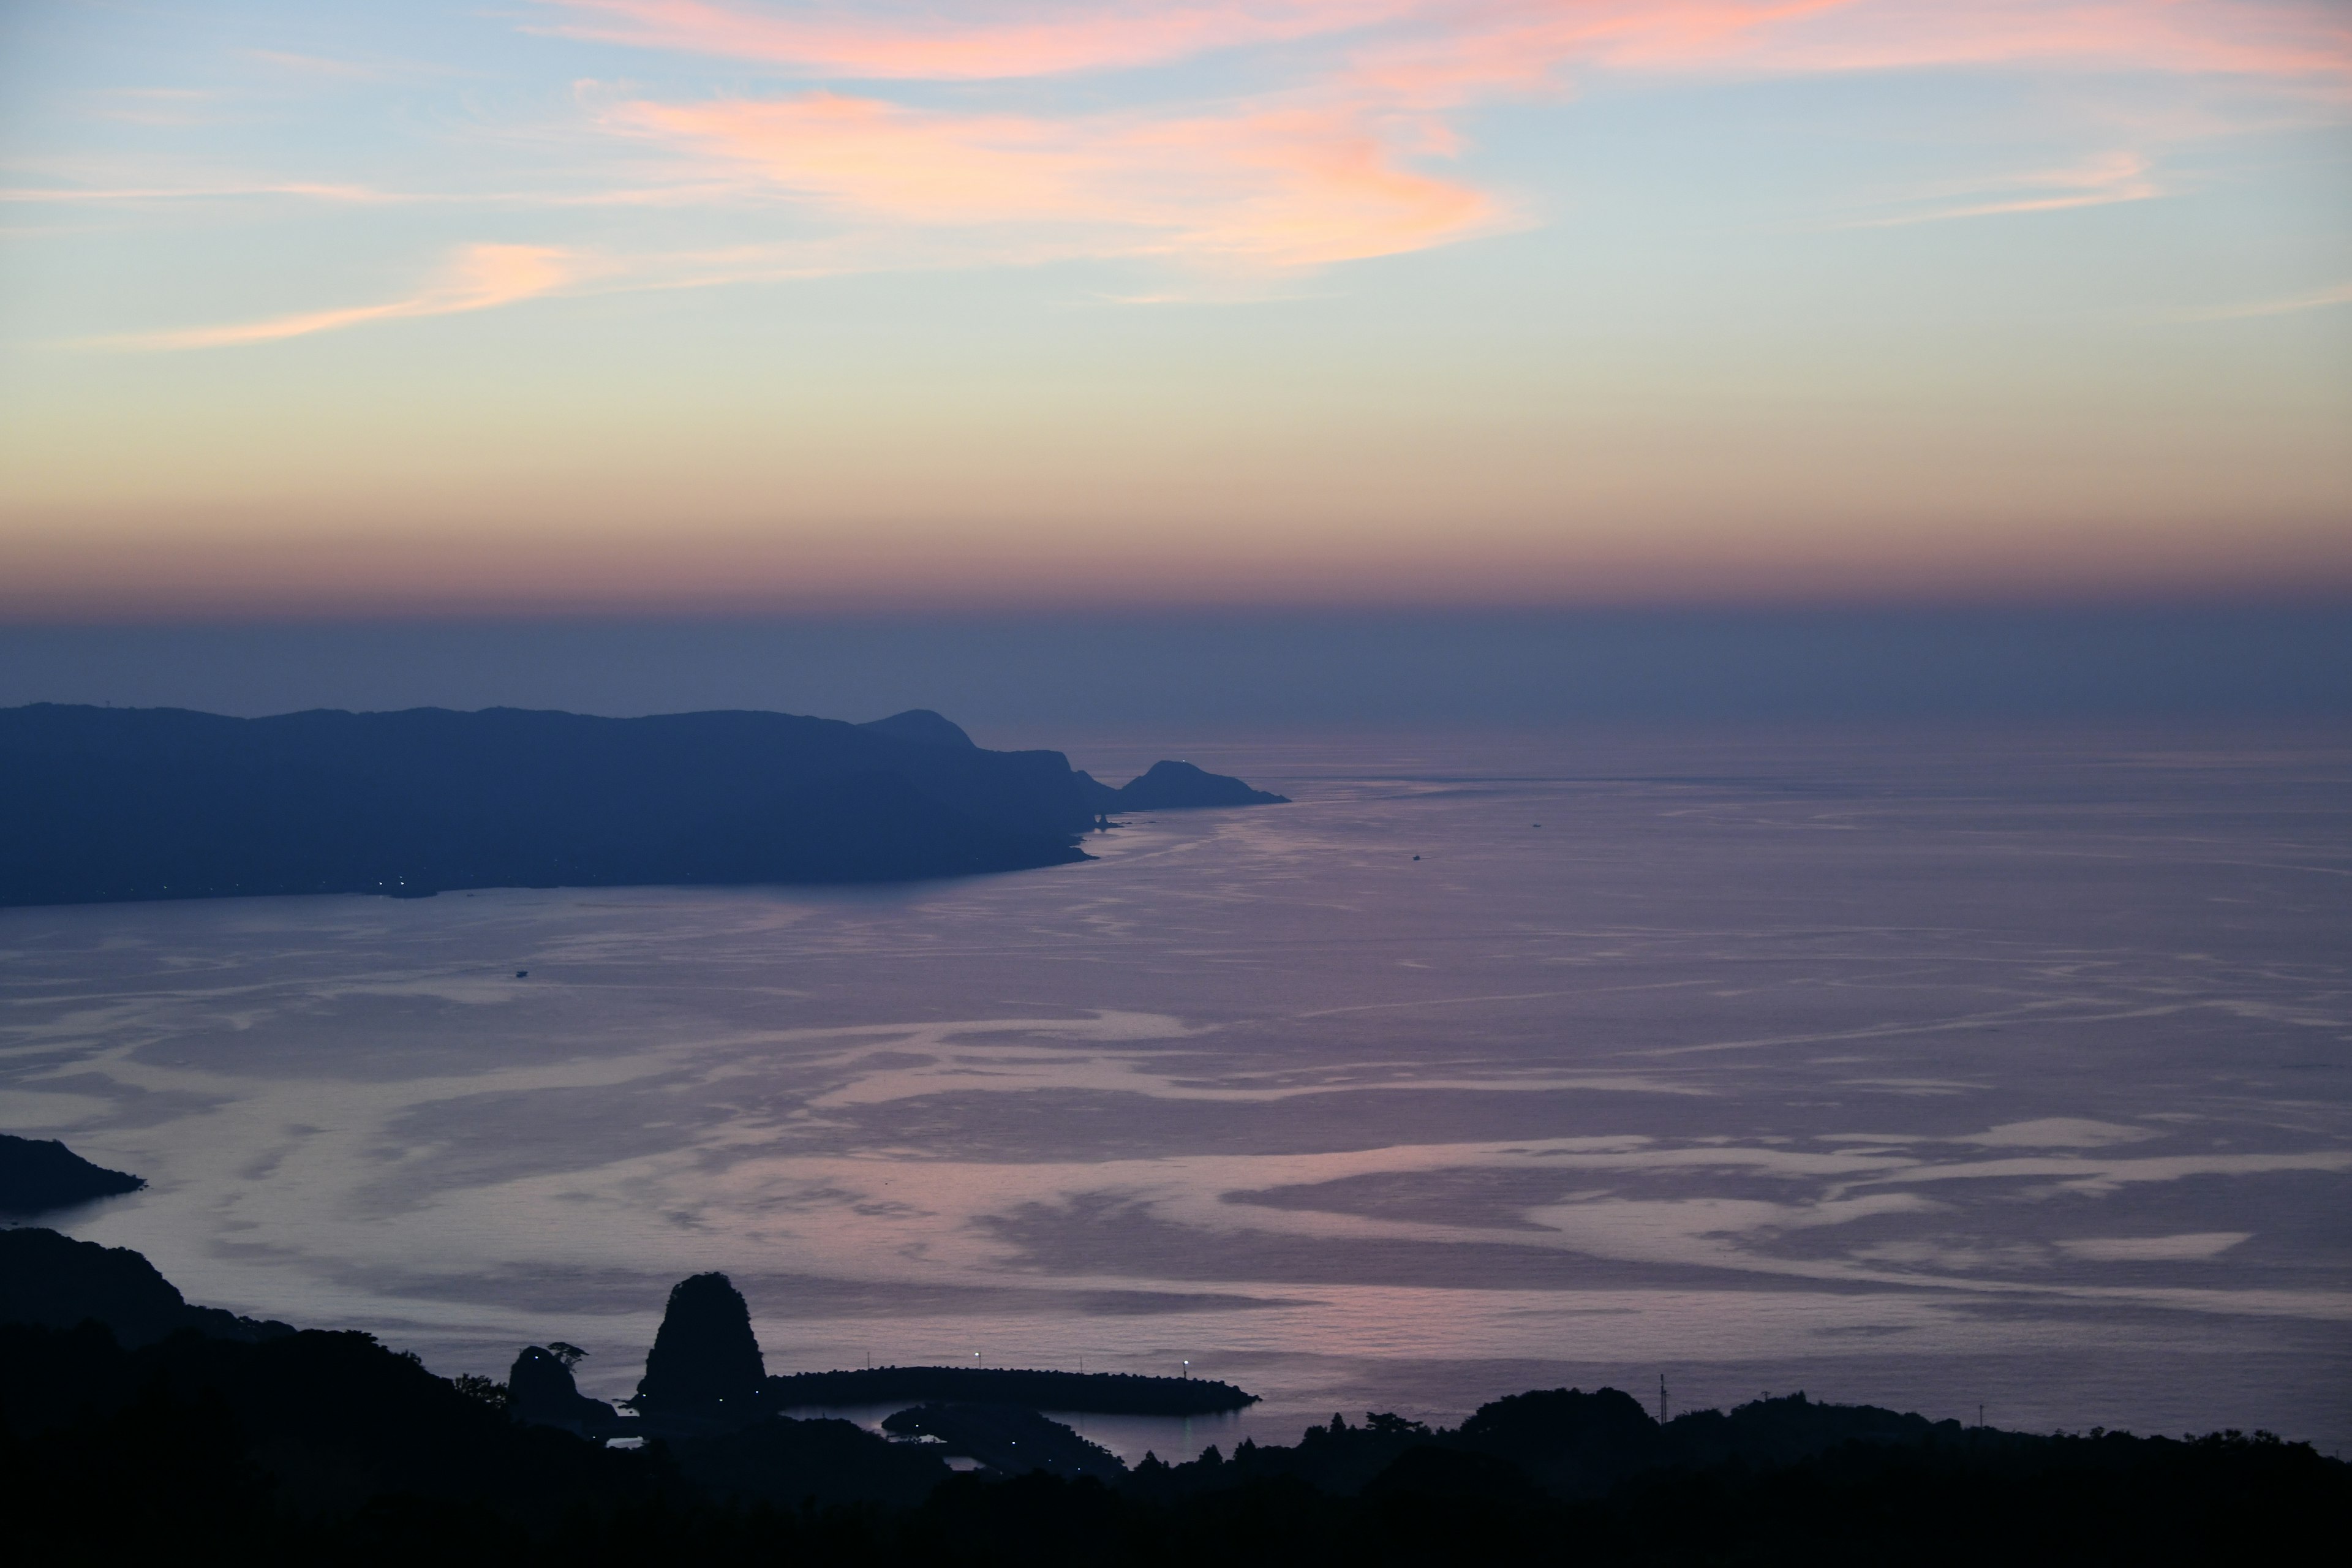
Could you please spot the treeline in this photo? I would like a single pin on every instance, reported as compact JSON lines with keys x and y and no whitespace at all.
{"x":326,"y":1446}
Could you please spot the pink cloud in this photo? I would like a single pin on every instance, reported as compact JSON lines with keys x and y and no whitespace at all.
{"x":1275,"y":187}
{"x":1491,"y":42}
{"x":869,"y":43}
{"x":1323,"y":158}
{"x":1315,"y":163}
{"x":1523,"y":47}
{"x":2250,"y":38}
{"x":478,"y":277}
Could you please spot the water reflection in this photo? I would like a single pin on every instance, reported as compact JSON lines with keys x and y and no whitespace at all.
{"x":1904,"y":1070}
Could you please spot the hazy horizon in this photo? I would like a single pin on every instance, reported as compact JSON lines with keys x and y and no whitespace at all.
{"x":1025,"y":679}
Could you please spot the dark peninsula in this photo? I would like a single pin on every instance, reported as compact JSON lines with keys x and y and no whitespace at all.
{"x":39,"y":1174}
{"x":106,"y":803}
{"x":1095,"y":1393}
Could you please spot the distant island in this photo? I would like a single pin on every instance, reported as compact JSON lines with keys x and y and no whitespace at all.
{"x":38,"y":1174}
{"x":1173,"y":786}
{"x":134,"y":1424}
{"x":106,"y":803}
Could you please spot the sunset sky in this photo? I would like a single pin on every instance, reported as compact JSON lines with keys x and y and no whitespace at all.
{"x":660,"y":306}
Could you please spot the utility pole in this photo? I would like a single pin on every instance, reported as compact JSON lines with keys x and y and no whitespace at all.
{"x":1662,"y":1399}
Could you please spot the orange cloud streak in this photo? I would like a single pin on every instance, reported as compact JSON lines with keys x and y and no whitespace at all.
{"x":481,"y":276}
{"x":1279,"y":188}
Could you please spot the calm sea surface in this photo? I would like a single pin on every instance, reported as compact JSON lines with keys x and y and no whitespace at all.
{"x":1933,"y":1068}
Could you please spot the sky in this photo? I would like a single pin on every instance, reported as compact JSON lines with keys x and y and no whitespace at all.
{"x":722,"y":307}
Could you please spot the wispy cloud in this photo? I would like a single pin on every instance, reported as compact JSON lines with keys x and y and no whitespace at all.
{"x":675,"y":192}
{"x":107,"y":195}
{"x":2318,"y":300}
{"x":478,"y":277}
{"x":1279,"y":187}
{"x":2100,"y":181}
{"x":921,"y":126}
{"x":1329,"y":156}
{"x":933,"y":43}
{"x":160,"y":105}
{"x":336,"y":70}
{"x":1484,"y":40}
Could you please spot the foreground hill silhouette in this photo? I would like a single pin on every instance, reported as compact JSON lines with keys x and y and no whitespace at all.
{"x":58,"y":1282}
{"x":309,"y":1447}
{"x":110,"y":803}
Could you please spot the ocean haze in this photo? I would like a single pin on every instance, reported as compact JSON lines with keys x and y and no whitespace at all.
{"x":1957,"y":1062}
{"x":1036,"y":679}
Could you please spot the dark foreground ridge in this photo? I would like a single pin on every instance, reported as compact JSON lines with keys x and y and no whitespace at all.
{"x":38,"y":1173}
{"x":58,"y":1282}
{"x":1097,"y":1393}
{"x":307,"y":1446}
{"x":106,"y":804}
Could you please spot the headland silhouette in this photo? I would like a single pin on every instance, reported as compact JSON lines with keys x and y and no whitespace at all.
{"x":108,"y":804}
{"x":37,"y":1174}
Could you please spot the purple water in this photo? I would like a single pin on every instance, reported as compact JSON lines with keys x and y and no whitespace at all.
{"x":1934,"y":1069}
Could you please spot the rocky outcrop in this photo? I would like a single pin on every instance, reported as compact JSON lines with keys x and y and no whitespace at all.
{"x":705,"y":1361}
{"x":540,"y":1391}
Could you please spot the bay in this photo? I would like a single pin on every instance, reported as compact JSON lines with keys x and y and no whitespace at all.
{"x":1938,"y":1066}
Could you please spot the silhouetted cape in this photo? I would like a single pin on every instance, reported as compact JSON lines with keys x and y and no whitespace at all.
{"x":111,"y":803}
{"x":118,"y":803}
{"x":38,"y":1174}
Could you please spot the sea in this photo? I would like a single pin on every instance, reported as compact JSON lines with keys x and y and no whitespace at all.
{"x":1994,"y":1072}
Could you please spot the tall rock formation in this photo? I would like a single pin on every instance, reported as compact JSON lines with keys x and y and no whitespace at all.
{"x":705,"y":1358}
